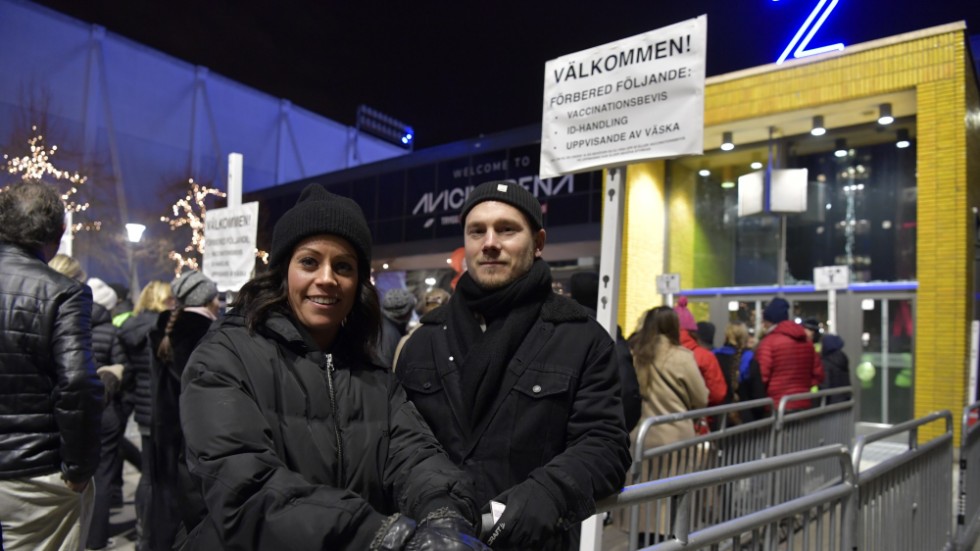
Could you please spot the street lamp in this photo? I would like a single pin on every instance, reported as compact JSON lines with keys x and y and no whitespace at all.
{"x":134,"y":234}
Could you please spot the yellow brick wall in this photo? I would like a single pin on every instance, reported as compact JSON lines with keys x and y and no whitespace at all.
{"x":936,"y":67}
{"x":643,"y":242}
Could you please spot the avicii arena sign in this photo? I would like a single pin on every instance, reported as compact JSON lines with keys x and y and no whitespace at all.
{"x":631,"y":100}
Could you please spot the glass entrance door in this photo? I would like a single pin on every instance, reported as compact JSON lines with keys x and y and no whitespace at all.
{"x":885,"y":367}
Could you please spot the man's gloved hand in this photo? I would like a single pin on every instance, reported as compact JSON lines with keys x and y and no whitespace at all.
{"x":399,"y":533}
{"x":529,"y":520}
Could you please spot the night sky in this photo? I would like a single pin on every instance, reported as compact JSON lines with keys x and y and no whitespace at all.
{"x":456,"y":70}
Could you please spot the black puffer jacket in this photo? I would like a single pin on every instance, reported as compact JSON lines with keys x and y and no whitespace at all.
{"x":135,"y":337}
{"x":835,"y":365}
{"x":262,"y":415}
{"x":106,"y":347}
{"x":50,"y":396}
{"x":558,"y":417}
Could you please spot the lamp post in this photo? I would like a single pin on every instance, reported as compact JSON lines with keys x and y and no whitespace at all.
{"x":134,"y":234}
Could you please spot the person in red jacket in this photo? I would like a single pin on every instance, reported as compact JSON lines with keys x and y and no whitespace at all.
{"x":788,"y":363}
{"x":706,"y":360}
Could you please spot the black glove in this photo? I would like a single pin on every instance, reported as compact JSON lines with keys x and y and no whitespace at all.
{"x":530,"y":519}
{"x":427,"y":538}
{"x":449,"y":519}
{"x":393,"y":534}
{"x":399,"y":533}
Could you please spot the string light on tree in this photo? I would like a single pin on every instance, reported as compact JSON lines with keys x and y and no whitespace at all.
{"x":38,"y":166}
{"x":190,"y":211}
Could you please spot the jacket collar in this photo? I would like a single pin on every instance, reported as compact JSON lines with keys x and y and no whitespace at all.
{"x":556,"y":309}
{"x":14,"y":249}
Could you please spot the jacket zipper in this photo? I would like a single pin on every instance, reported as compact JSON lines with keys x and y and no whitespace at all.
{"x":329,"y":369}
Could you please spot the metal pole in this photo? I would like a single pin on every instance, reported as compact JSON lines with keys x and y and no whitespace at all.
{"x":608,"y":305}
{"x":611,"y":249}
{"x":832,"y":311}
{"x":235,"y":163}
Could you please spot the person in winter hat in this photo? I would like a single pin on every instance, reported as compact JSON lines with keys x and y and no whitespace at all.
{"x":110,"y":358}
{"x":714,"y":379}
{"x":193,"y":289}
{"x":787,"y":362}
{"x":775,"y":312}
{"x":503,"y":342}
{"x":396,"y":311}
{"x":355,"y":467}
{"x":174,"y":336}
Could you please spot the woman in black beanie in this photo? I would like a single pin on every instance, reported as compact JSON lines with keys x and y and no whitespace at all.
{"x":296,"y":436}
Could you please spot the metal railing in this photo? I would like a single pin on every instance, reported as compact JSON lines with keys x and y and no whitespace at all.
{"x":820,"y":519}
{"x":968,"y":507}
{"x":824,"y":422}
{"x":906,"y":501}
{"x":727,"y":445}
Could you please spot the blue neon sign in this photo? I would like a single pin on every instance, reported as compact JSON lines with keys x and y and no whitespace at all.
{"x":801,"y":41}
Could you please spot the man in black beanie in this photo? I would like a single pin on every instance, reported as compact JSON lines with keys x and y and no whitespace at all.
{"x":520,"y":385}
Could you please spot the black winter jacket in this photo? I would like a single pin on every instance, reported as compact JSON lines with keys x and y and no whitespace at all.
{"x":262,"y":416}
{"x":135,"y":337}
{"x":50,"y":396}
{"x":106,"y":347}
{"x":835,"y":366}
{"x":558,"y":417}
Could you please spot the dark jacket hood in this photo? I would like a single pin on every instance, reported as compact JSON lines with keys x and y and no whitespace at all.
{"x":830,"y":343}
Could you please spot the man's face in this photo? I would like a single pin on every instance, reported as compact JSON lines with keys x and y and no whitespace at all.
{"x":500,"y":244}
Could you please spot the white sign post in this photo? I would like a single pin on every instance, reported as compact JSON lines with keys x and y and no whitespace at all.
{"x":229,"y":239}
{"x":669,"y":285}
{"x":831,"y":279}
{"x":631,"y":100}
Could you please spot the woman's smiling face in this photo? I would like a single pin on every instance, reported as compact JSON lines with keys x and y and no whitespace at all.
{"x":321,"y":283}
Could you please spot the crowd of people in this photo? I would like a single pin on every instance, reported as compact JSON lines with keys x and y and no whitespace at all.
{"x":313,"y":415}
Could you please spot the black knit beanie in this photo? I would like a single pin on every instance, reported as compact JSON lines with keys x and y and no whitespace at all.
{"x":317,"y":211}
{"x":506,"y":192}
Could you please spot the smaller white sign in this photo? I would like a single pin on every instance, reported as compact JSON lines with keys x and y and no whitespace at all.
{"x":826,"y":278}
{"x":669,"y":284}
{"x":752,"y":193}
{"x":229,"y":245}
{"x":787,"y":192}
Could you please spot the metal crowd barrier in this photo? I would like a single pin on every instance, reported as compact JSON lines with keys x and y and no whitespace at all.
{"x":967,"y":518}
{"x":906,"y":501}
{"x":727,"y":445}
{"x":818,"y":520}
{"x":903,"y":503}
{"x":823,"y":422}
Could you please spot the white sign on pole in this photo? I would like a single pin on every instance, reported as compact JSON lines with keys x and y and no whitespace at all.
{"x":229,"y":245}
{"x":631,"y":100}
{"x":826,"y":278}
{"x":669,"y":284}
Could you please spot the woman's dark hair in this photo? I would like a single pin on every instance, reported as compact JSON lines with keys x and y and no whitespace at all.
{"x":267,"y":293}
{"x":32,"y":215}
{"x":165,"y":352}
{"x":661,"y":320}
